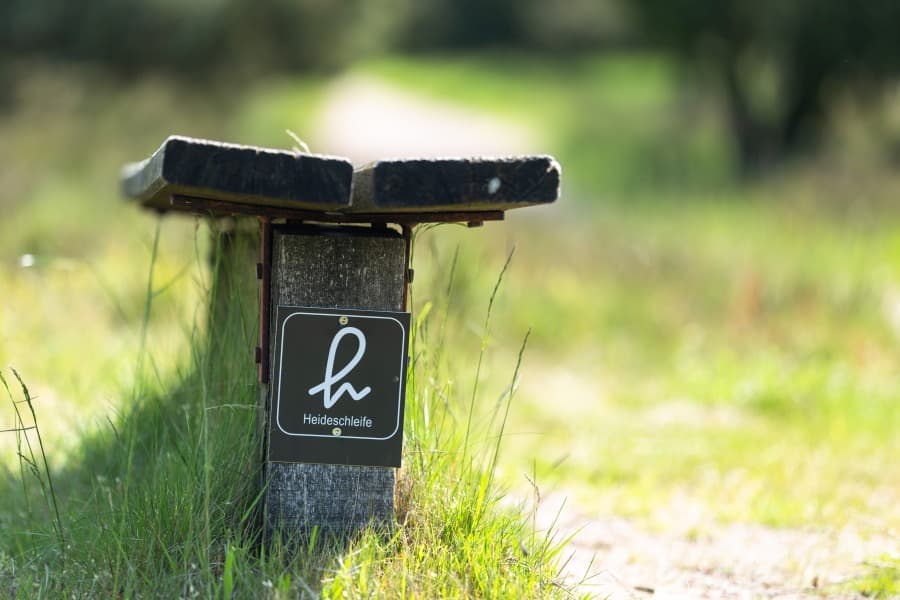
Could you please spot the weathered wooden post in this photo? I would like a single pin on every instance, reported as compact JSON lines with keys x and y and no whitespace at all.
{"x":334,"y":270}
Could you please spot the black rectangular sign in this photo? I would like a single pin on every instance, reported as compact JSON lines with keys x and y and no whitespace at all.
{"x":339,"y":386}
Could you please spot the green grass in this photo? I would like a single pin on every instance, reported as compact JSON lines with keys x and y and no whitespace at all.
{"x":882,"y":580}
{"x":752,"y":379}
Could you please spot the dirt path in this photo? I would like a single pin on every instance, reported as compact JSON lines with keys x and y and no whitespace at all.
{"x":366,"y":119}
{"x":617,"y":558}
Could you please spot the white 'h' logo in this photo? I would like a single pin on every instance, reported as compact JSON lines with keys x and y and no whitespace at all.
{"x":331,"y":378}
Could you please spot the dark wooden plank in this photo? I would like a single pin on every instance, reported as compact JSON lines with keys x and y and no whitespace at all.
{"x":455,"y":184}
{"x":350,"y":268}
{"x":246,"y":174}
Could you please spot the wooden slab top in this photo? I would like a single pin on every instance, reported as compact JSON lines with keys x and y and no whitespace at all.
{"x":203,"y":176}
{"x":455,"y":184}
{"x":243,"y":174}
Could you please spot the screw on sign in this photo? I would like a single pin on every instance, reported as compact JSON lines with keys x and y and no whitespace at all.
{"x":333,"y":379}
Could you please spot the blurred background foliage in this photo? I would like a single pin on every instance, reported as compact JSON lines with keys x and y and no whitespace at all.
{"x":774,"y":63}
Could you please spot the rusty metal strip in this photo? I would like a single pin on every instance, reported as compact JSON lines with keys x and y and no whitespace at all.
{"x":206,"y":206}
{"x":407,"y":268}
{"x":264,"y":273}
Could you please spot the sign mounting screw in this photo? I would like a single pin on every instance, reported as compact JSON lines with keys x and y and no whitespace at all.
{"x":343,"y":320}
{"x":336,"y":431}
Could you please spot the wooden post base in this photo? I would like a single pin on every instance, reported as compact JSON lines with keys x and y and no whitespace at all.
{"x":338,"y":499}
{"x":331,"y":267}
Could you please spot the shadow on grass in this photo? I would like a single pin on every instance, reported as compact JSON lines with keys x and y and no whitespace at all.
{"x":167,"y":490}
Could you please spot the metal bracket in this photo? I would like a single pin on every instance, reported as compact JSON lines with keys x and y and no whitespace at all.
{"x":264,"y":274}
{"x":406,"y":229}
{"x":206,"y":206}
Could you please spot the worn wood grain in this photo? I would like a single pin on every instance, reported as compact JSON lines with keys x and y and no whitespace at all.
{"x":244,"y":174}
{"x":455,"y":184}
{"x":332,"y":267}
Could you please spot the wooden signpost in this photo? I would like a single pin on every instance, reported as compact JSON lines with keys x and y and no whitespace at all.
{"x":334,"y":272}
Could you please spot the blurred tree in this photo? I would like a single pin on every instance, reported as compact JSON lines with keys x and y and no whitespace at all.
{"x":519,"y":24}
{"x":575,"y":24}
{"x":210,"y":36}
{"x":191,"y":39}
{"x":777,"y":60}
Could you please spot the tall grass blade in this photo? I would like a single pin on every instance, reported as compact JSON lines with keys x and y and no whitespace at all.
{"x":484,"y":343}
{"x":47,"y":490}
{"x":513,"y":386}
